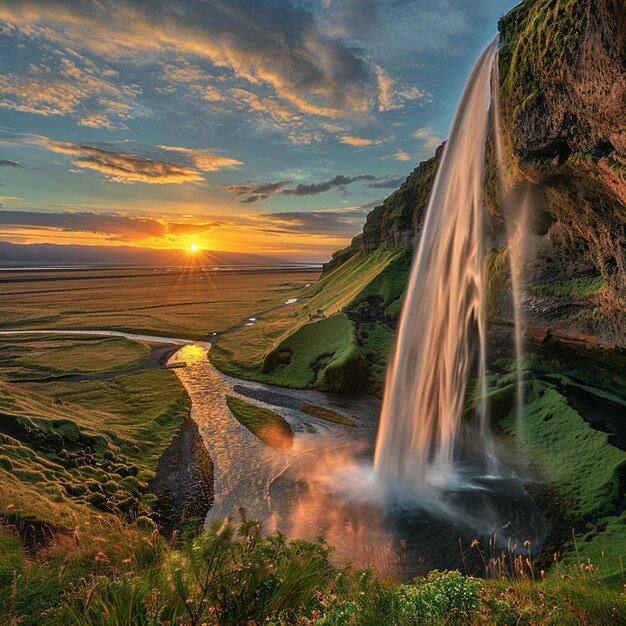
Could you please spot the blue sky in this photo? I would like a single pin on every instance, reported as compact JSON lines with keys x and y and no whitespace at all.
{"x":254,"y":125}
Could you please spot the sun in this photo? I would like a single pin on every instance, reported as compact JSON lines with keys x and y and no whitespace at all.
{"x":193,"y":248}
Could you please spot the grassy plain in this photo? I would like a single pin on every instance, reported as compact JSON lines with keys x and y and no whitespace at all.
{"x":185,"y":303}
{"x":35,"y":357}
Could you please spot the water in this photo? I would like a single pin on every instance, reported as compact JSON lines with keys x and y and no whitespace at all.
{"x":444,"y":308}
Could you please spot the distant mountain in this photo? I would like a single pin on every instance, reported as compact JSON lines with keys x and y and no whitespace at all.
{"x":46,"y":254}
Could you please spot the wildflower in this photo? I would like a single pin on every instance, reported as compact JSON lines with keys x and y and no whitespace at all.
{"x":320,"y":596}
{"x":526,"y":543}
{"x":474,"y":543}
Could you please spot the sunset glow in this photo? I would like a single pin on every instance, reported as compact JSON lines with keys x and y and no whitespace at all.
{"x":193,"y":248}
{"x":276,"y":140}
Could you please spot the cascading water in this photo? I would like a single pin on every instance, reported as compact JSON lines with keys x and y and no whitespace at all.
{"x":444,"y":305}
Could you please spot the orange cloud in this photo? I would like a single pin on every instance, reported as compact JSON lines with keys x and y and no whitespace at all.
{"x":360,"y":142}
{"x":122,"y":166}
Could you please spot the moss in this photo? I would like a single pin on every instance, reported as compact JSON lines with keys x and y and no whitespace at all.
{"x":388,"y":288}
{"x":577,"y":461}
{"x":540,"y":37}
{"x":497,"y":264}
{"x":584,"y":287}
{"x":271,"y":428}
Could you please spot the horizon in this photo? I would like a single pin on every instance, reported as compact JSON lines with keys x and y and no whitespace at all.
{"x":277,"y":141}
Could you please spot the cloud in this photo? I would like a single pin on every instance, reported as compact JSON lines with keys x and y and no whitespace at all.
{"x":179,"y":228}
{"x":360,"y":142}
{"x":62,"y":86}
{"x":262,"y":191}
{"x":338,"y":181}
{"x":353,"y":18}
{"x":333,"y":223}
{"x":37,"y":95}
{"x":123,"y":166}
{"x":390,"y":183}
{"x":257,"y":191}
{"x":115,"y":227}
{"x":401,"y":155}
{"x":280,"y":45}
{"x":203,"y":159}
{"x":10,"y":163}
{"x":391,"y":95}
{"x":428,"y":138}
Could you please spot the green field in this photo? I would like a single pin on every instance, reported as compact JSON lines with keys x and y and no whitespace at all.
{"x":35,"y":357}
{"x":187,"y":304}
{"x":68,"y":449}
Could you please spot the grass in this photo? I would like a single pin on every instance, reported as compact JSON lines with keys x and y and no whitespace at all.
{"x":388,"y":287}
{"x":323,"y":354}
{"x":327,"y":415}
{"x":575,"y":287}
{"x":575,"y":460}
{"x":316,"y":345}
{"x":68,"y":450}
{"x":188,"y":304}
{"x":339,"y":288}
{"x":232,"y":575}
{"x":32,"y":357}
{"x":270,"y":427}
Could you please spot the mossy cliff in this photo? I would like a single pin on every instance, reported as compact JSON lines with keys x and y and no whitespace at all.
{"x":563,"y":110}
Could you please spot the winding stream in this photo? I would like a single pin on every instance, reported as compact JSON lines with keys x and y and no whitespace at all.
{"x":323,"y":485}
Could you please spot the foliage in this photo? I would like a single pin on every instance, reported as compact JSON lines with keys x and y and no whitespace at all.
{"x":267,"y":425}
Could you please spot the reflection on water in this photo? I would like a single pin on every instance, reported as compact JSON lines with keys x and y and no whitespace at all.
{"x":324,"y":484}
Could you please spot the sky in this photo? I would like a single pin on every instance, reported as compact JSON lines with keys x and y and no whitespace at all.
{"x":264,"y":126}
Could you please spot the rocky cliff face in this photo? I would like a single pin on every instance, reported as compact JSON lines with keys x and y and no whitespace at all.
{"x":563,"y":113}
{"x":563,"y":108}
{"x":397,"y":220}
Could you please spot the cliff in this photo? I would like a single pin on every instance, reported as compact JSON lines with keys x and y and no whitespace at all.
{"x":563,"y":116}
{"x":563,"y":110}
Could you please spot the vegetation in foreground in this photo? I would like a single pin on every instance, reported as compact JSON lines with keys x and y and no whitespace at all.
{"x":233,"y":575}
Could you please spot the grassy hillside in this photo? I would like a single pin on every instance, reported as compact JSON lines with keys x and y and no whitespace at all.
{"x":581,"y":464}
{"x":85,"y":447}
{"x":35,"y":357}
{"x":333,"y":340}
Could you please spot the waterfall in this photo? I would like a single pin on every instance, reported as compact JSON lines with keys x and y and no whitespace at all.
{"x":445,"y":305}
